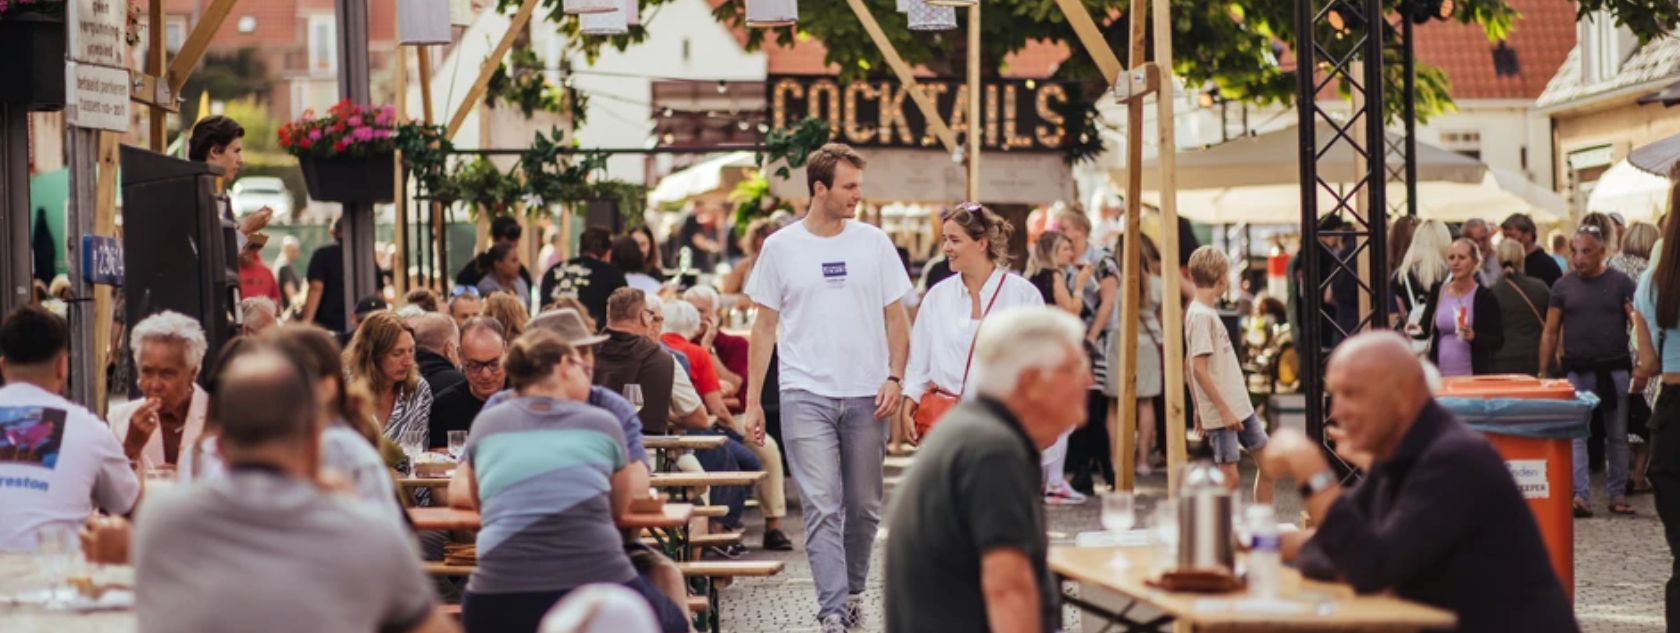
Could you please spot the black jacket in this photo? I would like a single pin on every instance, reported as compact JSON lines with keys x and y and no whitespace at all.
{"x":1489,"y":328}
{"x":439,"y":373}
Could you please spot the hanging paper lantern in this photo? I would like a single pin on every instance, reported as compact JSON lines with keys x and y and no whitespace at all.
{"x":613,"y":22}
{"x":904,"y":6}
{"x":771,"y":13}
{"x":586,"y":7}
{"x":422,"y":22}
{"x":953,"y":3}
{"x":925,"y":16}
{"x":461,"y":12}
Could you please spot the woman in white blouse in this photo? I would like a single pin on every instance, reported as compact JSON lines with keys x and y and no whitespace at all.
{"x":976,"y":244}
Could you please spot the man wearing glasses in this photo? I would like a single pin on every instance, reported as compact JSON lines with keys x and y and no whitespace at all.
{"x":1592,"y":308}
{"x":483,"y":344}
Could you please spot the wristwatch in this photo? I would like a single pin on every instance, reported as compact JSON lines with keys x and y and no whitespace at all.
{"x":895,"y":379}
{"x":1317,"y":483}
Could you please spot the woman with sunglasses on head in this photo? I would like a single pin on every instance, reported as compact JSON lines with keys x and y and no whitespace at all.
{"x":976,"y":243}
{"x":1461,"y":319}
{"x":1592,"y":309}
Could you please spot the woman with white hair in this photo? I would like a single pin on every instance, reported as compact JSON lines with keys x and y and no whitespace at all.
{"x":169,"y":349}
{"x":1424,"y":265}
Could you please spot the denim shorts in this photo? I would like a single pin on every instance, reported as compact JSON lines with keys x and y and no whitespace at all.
{"x":1252,"y":437}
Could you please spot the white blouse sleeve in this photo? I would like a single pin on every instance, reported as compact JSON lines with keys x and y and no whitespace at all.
{"x":916,"y":373}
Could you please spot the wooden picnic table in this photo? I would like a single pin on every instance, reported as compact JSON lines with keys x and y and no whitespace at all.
{"x":423,"y":482}
{"x":673,"y":515}
{"x":699,"y":480}
{"x":20,"y":574}
{"x":683,"y":442}
{"x":1315,"y":606}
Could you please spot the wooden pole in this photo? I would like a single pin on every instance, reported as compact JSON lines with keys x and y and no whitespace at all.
{"x":488,"y":68}
{"x":1125,"y":439}
{"x":1172,"y":312}
{"x":976,"y":136}
{"x":399,"y":258}
{"x":936,"y":123}
{"x":425,"y":56}
{"x":155,"y":67}
{"x":104,"y":223}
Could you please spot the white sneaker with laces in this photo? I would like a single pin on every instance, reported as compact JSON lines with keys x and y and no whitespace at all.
{"x":833,"y":624}
{"x":1062,"y":494}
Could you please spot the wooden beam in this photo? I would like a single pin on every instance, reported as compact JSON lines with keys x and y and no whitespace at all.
{"x":193,"y":49}
{"x":1125,"y":440}
{"x":104,"y":223}
{"x":1137,"y":83}
{"x":425,"y":83}
{"x":474,"y":95}
{"x":1091,"y":37}
{"x":399,"y":258}
{"x":936,"y":123}
{"x":1172,"y":313}
{"x":159,"y":131}
{"x":152,"y":92}
{"x":976,"y":135}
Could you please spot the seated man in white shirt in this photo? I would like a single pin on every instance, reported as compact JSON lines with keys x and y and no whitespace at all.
{"x":57,"y":461}
{"x":169,"y":350}
{"x":328,"y":562}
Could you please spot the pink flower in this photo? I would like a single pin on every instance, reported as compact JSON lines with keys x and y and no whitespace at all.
{"x":382,"y":134}
{"x":390,"y":111}
{"x":315,"y":134}
{"x":363,"y":134}
{"x":355,"y":121}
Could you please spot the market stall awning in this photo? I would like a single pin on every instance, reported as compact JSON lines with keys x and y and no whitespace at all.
{"x":1273,"y":158}
{"x":715,"y":177}
{"x":1658,"y":157}
{"x":1630,"y":191}
{"x":1499,"y":194}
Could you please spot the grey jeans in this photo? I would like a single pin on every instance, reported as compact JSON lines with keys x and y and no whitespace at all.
{"x":836,"y":448}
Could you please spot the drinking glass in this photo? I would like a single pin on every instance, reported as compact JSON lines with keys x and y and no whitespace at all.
{"x":56,"y":545}
{"x":1164,"y":533}
{"x":457,"y":444}
{"x":1118,"y":515}
{"x":413,"y":451}
{"x":633,"y":393}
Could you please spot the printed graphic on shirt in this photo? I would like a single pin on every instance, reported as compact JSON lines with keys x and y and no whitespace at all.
{"x":31,"y":435}
{"x":834,"y":274}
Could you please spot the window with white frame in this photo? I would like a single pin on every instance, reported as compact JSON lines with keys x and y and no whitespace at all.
{"x":174,"y":32}
{"x":323,"y":43}
{"x":1604,"y":46}
{"x":1466,"y":142}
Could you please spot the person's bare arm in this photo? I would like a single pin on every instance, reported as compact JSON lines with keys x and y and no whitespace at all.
{"x":437,"y":622}
{"x":463,"y":488}
{"x":1646,"y":365}
{"x":1064,"y":298}
{"x":622,"y":490}
{"x":313,"y":302}
{"x":1204,"y":379}
{"x":715,"y":405}
{"x":639,"y":479}
{"x":887,"y":400}
{"x":759,"y":350}
{"x":1549,"y":339}
{"x":1006,"y":580}
{"x":1108,"y":290}
{"x":696,"y":419}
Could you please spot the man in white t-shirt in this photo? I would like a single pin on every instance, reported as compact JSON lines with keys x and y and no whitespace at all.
{"x":57,"y":460}
{"x":828,"y":291}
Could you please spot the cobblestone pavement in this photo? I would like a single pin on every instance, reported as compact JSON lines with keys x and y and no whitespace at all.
{"x":1621,"y":565}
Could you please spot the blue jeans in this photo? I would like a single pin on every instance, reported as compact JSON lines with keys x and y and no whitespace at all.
{"x":1615,"y":437}
{"x":836,"y":448}
{"x":731,"y":457}
{"x":1228,"y":441}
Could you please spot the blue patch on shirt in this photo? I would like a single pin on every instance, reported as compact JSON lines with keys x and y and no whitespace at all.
{"x":834,"y":269}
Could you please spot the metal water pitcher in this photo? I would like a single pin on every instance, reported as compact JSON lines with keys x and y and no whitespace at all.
{"x":1204,"y":520}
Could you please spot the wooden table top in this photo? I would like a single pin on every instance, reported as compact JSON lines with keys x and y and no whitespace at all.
{"x":673,"y":515}
{"x":1318,"y":605}
{"x":683,"y":442}
{"x":423,"y":482}
{"x":695,"y":480}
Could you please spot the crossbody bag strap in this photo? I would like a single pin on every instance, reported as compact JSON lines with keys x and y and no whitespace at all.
{"x":1528,"y":301}
{"x":976,"y":338}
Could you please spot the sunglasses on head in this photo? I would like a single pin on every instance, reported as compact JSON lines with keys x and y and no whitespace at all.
{"x":464,"y":290}
{"x":1590,"y":228}
{"x":964,"y":208}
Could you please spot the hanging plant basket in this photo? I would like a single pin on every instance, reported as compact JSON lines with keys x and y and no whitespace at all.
{"x":33,"y":74}
{"x":348,"y":178}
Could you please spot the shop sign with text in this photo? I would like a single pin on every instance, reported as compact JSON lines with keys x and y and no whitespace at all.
{"x":1024,"y":115}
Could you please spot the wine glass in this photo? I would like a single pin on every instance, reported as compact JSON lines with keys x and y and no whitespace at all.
{"x":412,"y":450}
{"x":1164,"y":533}
{"x":457,"y":444}
{"x":1118,"y":515}
{"x":633,"y":393}
{"x":56,"y":544}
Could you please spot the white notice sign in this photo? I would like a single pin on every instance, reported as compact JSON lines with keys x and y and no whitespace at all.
{"x":1531,"y":477}
{"x":98,"y":32}
{"x":98,"y":97}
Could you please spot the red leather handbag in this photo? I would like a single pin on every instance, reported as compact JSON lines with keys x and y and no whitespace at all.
{"x":937,"y":401}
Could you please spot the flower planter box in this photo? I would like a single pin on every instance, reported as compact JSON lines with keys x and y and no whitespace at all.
{"x":349,"y":179}
{"x":32,"y":74}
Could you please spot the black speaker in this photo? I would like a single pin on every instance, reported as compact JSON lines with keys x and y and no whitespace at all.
{"x":179,"y":249}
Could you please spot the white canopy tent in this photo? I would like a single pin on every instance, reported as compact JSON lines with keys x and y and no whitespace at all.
{"x":1256,"y":180}
{"x":1626,"y":189}
{"x":713,"y":178}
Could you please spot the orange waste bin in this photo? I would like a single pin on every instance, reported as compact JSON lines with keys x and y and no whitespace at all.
{"x":1540,"y":463}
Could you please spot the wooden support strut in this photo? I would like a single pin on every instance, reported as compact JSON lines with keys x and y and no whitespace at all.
{"x":1172,"y":313}
{"x":974,"y":98}
{"x":1091,"y":37}
{"x":159,"y":130}
{"x":936,"y":123}
{"x":491,"y":63}
{"x":198,"y":42}
{"x":1125,"y":441}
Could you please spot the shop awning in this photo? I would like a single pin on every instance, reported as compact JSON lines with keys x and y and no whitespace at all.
{"x":712,"y":178}
{"x":1499,"y":194}
{"x":1657,"y":158}
{"x":1630,"y":191}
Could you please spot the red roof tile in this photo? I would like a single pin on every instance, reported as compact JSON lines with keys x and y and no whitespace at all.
{"x":1542,"y":37}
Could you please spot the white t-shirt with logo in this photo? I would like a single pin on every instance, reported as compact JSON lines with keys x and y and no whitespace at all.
{"x":830,"y":293}
{"x":57,"y":463}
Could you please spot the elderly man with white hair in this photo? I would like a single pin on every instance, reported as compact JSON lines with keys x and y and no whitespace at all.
{"x":257,"y":315}
{"x":968,"y":548}
{"x":169,"y":349}
{"x":730,"y":353}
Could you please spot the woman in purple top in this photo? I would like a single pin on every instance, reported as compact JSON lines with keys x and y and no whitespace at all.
{"x":1461,"y":346}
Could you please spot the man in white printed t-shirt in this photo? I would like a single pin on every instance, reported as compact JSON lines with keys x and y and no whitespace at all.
{"x":828,"y":291}
{"x":57,"y":460}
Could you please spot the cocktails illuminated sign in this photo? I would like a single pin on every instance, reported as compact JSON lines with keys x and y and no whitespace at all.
{"x":1015,"y":115}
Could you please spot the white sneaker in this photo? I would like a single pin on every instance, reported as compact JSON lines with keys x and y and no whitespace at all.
{"x":833,"y":624}
{"x":854,"y":610}
{"x":1062,"y":494}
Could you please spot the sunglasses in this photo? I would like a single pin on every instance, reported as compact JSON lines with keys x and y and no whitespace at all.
{"x":1590,"y":228}
{"x":963,"y":208}
{"x":463,"y":290}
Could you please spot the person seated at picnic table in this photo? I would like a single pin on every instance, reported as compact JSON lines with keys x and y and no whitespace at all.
{"x":329,"y":563}
{"x":483,"y":345}
{"x":968,"y":550}
{"x":437,"y":349}
{"x":65,"y":462}
{"x":555,"y":475}
{"x":1437,"y":518}
{"x":169,"y":349}
{"x":504,"y":231}
{"x":630,"y":355}
{"x":502,"y":269}
{"x":729,"y":352}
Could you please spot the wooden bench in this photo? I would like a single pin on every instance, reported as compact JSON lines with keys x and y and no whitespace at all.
{"x":711,"y":512}
{"x":683,"y":442}
{"x":704,"y":480}
{"x":714,"y":571}
{"x":703,"y":540}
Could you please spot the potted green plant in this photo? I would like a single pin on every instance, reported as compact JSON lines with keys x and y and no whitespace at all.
{"x":348,"y":155}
